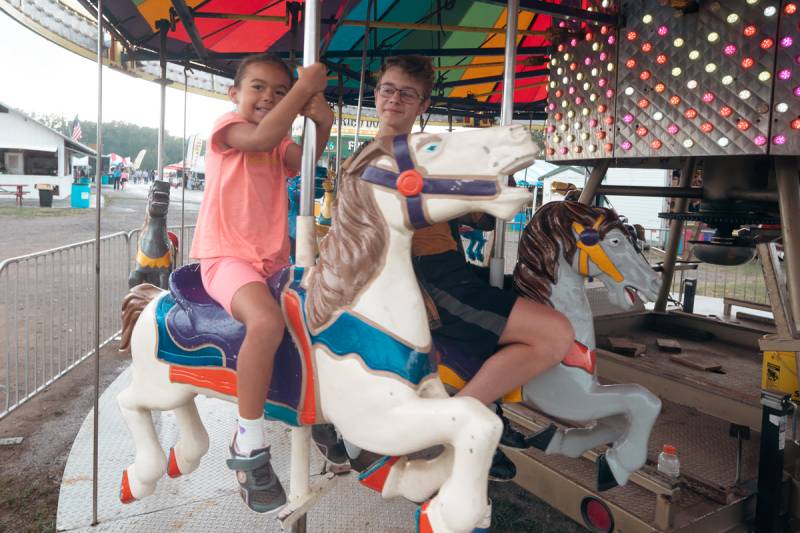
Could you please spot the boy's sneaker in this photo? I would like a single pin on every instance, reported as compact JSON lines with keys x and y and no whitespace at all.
{"x":503,"y":468}
{"x":329,"y":444}
{"x":259,"y":487}
{"x":510,"y":436}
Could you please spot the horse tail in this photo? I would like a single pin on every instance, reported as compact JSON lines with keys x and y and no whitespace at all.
{"x":132,"y":306}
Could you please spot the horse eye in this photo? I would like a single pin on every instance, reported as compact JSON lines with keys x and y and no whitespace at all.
{"x":615,"y":242}
{"x":431,"y":147}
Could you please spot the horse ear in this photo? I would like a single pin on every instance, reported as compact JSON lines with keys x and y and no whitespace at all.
{"x":364,"y":155}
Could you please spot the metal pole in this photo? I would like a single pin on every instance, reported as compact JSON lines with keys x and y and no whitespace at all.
{"x":594,"y":181}
{"x":339,"y":105}
{"x":498,"y":262}
{"x":163,"y":28}
{"x":363,"y":77}
{"x":184,"y":181}
{"x":789,"y":199}
{"x":675,"y":230}
{"x":98,"y":202}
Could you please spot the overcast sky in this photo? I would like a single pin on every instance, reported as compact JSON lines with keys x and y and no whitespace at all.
{"x":39,"y":76}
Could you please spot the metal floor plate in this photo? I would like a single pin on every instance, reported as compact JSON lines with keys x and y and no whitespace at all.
{"x":208,"y":498}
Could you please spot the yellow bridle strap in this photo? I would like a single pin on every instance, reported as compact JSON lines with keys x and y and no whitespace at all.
{"x":596,"y":253}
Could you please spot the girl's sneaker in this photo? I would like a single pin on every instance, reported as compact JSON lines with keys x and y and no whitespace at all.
{"x":259,"y":487}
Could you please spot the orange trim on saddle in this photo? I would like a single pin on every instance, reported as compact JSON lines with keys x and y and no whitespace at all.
{"x":221,"y":380}
{"x":581,"y":357}
{"x":294,"y":316}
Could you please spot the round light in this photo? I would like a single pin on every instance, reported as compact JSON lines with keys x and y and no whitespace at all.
{"x":647,"y":19}
{"x":601,"y":108}
{"x":600,"y":135}
{"x":577,"y":149}
{"x":626,"y":145}
{"x":690,"y":113}
{"x":796,"y":91}
{"x":610,"y":67}
{"x":579,"y":76}
{"x":675,"y":99}
{"x":662,"y":30}
{"x":782,"y":107}
{"x":585,"y":111}
{"x":764,"y":75}
{"x":725,"y":111}
{"x":691,"y":84}
{"x":770,"y":11}
{"x":706,"y":127}
{"x":602,"y":82}
{"x":608,"y":147}
{"x":592,"y":122}
{"x":578,"y":100}
{"x":632,"y":35}
{"x":672,"y":129}
{"x":727,"y":80}
{"x":570,"y":114}
{"x":742,"y":125}
{"x":748,"y":62}
{"x":708,"y":97}
{"x":558,"y":116}
{"x":563,"y":127}
{"x":593,"y":97}
{"x":688,"y":143}
{"x":713,"y":37}
{"x":551,"y":151}
{"x":786,"y":42}
{"x":611,"y":39}
{"x":592,"y":148}
{"x":766,"y":43}
{"x":660,"y":88}
{"x":644,"y":75}
{"x":723,"y":142}
{"x":587,"y":61}
{"x":647,"y":47}
{"x":628,"y":91}
{"x":760,"y":140}
{"x":796,"y":124}
{"x":661,"y":59}
{"x":752,"y":2}
{"x":790,"y":8}
{"x":779,"y":139}
{"x":609,"y":120}
{"x":586,"y":86}
{"x":570,"y":138}
{"x":744,"y":94}
{"x":694,"y":54}
{"x":584,"y":136}
{"x":676,"y":71}
{"x":641,"y":131}
{"x":563,"y":150}
{"x":655,"y":144}
{"x":784,"y":74}
{"x":627,"y":118}
{"x":658,"y":115}
{"x":595,"y":46}
{"x":678,"y":42}
{"x":603,"y":56}
{"x":711,"y":67}
{"x":749,"y":30}
{"x":644,"y":103}
{"x":630,"y":63}
{"x":733,"y":18}
{"x":729,"y":50}
{"x":556,"y":139}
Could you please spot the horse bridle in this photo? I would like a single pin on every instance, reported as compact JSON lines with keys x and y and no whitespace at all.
{"x":412,"y":184}
{"x":589,"y":245}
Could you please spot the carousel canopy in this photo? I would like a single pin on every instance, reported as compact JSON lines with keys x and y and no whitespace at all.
{"x":465,"y":40}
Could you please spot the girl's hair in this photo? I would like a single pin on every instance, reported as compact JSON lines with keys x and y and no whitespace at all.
{"x":262,"y":58}
{"x":418,"y":67}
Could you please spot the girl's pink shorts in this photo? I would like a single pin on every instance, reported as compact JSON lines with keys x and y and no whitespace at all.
{"x":223,"y":276}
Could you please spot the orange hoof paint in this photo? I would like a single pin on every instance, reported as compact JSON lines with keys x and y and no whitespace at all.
{"x":125,"y":494}
{"x":423,"y":523}
{"x":172,"y":468}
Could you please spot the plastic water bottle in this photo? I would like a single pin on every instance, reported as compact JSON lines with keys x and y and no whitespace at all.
{"x":668,"y":462}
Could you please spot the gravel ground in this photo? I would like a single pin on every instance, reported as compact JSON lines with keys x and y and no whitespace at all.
{"x":30,"y":472}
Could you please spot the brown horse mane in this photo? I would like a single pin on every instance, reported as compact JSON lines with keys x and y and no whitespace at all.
{"x":548,"y":233}
{"x":351,"y":254}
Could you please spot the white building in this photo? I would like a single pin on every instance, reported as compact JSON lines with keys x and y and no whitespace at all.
{"x":32,"y":154}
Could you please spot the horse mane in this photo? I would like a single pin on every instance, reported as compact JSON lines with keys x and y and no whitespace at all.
{"x":351,"y":253}
{"x":548,"y":232}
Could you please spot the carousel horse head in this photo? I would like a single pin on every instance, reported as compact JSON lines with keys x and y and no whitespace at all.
{"x":158,"y":199}
{"x":594,"y":242}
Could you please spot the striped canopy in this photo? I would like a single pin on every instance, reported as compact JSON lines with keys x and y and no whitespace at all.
{"x":458,"y":35}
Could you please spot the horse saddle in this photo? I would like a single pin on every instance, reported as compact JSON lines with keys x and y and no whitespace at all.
{"x":201,"y":341}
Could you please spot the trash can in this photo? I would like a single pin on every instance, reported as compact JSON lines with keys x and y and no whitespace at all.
{"x":45,"y":194}
{"x":104,"y":179}
{"x":80,"y":196}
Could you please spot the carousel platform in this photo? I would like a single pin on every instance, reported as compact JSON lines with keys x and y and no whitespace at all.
{"x":207,"y":499}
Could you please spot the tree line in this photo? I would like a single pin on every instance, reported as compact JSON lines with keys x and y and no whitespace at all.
{"x":122,"y":138}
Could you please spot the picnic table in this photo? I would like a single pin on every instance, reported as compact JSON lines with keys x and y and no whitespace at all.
{"x":8,"y":188}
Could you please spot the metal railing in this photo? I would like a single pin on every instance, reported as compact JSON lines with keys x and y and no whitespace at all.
{"x":47,"y":310}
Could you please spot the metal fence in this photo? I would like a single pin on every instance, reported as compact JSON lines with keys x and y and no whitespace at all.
{"x":47,"y":310}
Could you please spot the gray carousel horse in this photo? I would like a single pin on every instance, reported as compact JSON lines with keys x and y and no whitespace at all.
{"x":155,"y":255}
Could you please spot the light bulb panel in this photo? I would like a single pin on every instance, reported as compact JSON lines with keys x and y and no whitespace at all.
{"x":785,"y":139}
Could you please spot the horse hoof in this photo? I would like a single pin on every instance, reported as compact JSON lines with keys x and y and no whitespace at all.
{"x":375,"y":476}
{"x":172,"y":468}
{"x":541,"y":439}
{"x":125,"y":494}
{"x":423,"y":522}
{"x":605,"y":478}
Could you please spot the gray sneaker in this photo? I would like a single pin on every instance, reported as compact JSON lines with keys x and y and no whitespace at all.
{"x":259,"y":487}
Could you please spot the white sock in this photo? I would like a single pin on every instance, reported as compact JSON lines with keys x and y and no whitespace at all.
{"x":250,"y":435}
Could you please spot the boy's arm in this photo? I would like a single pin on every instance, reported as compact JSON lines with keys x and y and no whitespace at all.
{"x":269,"y":133}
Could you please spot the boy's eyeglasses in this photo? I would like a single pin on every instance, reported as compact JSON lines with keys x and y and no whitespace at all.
{"x":408,"y":96}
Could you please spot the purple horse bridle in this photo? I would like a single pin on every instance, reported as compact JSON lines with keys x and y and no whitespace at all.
{"x":412,"y":184}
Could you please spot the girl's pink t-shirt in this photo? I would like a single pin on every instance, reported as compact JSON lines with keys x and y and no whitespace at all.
{"x":244,"y":212}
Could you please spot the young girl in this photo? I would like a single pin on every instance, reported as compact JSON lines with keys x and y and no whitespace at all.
{"x":242,"y":238}
{"x":516,"y":338}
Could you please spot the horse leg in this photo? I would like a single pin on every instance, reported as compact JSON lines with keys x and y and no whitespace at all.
{"x":140,"y":478}
{"x":574,"y":442}
{"x":192,"y":443}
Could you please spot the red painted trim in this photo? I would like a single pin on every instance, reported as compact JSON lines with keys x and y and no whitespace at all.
{"x":581,"y":357}
{"x":172,"y":467}
{"x":125,"y":494}
{"x":294,"y":316}
{"x":424,"y":525}
{"x":377,"y":479}
{"x":221,"y":380}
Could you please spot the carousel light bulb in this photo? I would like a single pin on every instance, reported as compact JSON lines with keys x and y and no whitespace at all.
{"x":725,"y":111}
{"x":691,"y":84}
{"x":558,"y":116}
{"x":676,"y":71}
{"x":556,"y":138}
{"x":592,"y":122}
{"x":610,"y":67}
{"x":645,"y":75}
{"x":690,"y":113}
{"x":655,"y":144}
{"x":626,"y":145}
{"x":674,"y":99}
{"x":608,"y":147}
{"x":587,"y":86}
{"x":742,"y":125}
{"x":610,"y":94}
{"x":752,"y":2}
{"x":660,"y":87}
{"x":585,"y":111}
{"x":662,"y":30}
{"x":770,"y":11}
{"x":600,"y":135}
{"x":602,"y":108}
{"x":723,"y":142}
{"x":688,"y":143}
{"x":644,"y":103}
{"x":711,"y":67}
{"x":694,"y":55}
{"x":727,"y":79}
{"x":647,"y":19}
{"x":632,"y":35}
{"x":603,"y":30}
{"x":760,"y":140}
{"x":571,"y":113}
{"x":790,"y":8}
{"x":786,"y":42}
{"x":708,"y":97}
{"x":612,"y":39}
{"x":565,"y":57}
{"x":595,"y":72}
{"x":553,"y":84}
{"x":658,"y":115}
{"x":766,"y":44}
{"x":779,"y":139}
{"x":661,"y":59}
{"x":796,"y":91}
{"x":706,"y":127}
{"x":592,"y":148}
{"x":564,"y":104}
{"x":627,"y":118}
{"x":729,"y":50}
{"x":784,"y":74}
{"x":587,"y":61}
{"x":565,"y":80}
{"x":562,"y":127}
{"x":551,"y":151}
{"x":579,"y":76}
{"x":678,"y":42}
{"x":764,"y":75}
{"x":602,"y":82}
{"x":630,"y":63}
{"x":744,"y":94}
{"x":560,"y":71}
{"x":647,"y":47}
{"x":782,"y":107}
{"x":748,"y":62}
{"x":796,"y":124}
{"x":733,"y":18}
{"x":672,"y":129}
{"x":570,"y":138}
{"x":713,"y":37}
{"x":578,"y":100}
{"x":573,"y":42}
{"x":603,"y":56}
{"x":749,"y":30}
{"x":609,"y":120}
{"x":628,"y":90}
{"x":584,"y":136}
{"x":563,"y":150}
{"x":593,"y":97}
{"x":641,"y":131}
{"x":595,"y":46}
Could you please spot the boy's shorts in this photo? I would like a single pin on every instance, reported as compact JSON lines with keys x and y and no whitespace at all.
{"x":473,"y":314}
{"x":223,"y":276}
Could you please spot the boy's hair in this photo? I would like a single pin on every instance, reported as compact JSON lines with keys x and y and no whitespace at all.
{"x":418,"y":67}
{"x":261,"y":58}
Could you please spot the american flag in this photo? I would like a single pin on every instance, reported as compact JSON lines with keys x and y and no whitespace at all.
{"x":76,"y":130}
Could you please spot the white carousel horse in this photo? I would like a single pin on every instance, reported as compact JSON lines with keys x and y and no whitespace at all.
{"x":562,"y":245}
{"x":358,"y":321}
